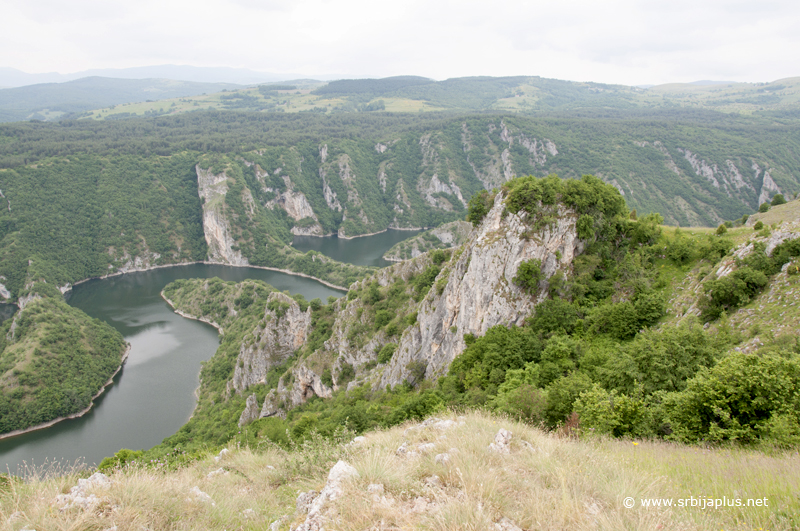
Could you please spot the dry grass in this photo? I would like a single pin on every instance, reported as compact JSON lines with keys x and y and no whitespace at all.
{"x":558,"y":484}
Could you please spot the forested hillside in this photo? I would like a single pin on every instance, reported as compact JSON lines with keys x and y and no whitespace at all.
{"x":82,"y":199}
{"x":53,"y":360}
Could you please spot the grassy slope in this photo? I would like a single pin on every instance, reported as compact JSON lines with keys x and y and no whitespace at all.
{"x":772,"y":313}
{"x":561,"y":484}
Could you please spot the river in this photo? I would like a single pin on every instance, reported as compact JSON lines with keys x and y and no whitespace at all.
{"x":364,"y":251}
{"x":153,"y":395}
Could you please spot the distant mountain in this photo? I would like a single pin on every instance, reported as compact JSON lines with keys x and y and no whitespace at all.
{"x":49,"y":101}
{"x":11,"y":77}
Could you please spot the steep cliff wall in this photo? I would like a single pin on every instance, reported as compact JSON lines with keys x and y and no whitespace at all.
{"x":216,"y":226}
{"x":282,"y":331}
{"x":480,"y":292}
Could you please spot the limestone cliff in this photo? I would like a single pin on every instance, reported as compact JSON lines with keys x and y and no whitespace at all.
{"x":480,"y":292}
{"x":473,"y":292}
{"x":282,"y":331}
{"x":216,"y":227}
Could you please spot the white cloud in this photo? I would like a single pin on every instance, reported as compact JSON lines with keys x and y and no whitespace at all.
{"x":615,"y":41}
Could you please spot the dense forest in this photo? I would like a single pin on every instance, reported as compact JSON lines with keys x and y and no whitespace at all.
{"x":81,"y":199}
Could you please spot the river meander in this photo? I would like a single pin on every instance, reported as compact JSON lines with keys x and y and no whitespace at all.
{"x":153,"y":395}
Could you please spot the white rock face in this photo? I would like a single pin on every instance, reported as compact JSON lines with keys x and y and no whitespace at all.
{"x":212,"y":188}
{"x":296,"y":205}
{"x":141,"y":262}
{"x":502,"y":442}
{"x":768,"y":189}
{"x":79,"y":494}
{"x":27,"y":299}
{"x":481,"y":292}
{"x":701,"y":167}
{"x":281,"y":336}
{"x":339,"y":474}
{"x":251,"y":411}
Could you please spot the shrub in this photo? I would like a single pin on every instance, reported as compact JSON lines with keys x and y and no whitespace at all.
{"x":722,"y":229}
{"x":759,"y":225}
{"x":416,"y":372}
{"x":553,"y":315}
{"x":525,"y":402}
{"x":386,"y":353}
{"x":561,"y":396}
{"x":529,"y":274}
{"x":478,"y":206}
{"x":610,"y":413}
{"x":732,"y":291}
{"x":778,"y":199}
{"x":764,"y":207}
{"x":346,"y":375}
{"x":744,"y":397}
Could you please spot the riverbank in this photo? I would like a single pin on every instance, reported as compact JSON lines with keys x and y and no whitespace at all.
{"x":74,"y":415}
{"x":375,"y":233}
{"x":206,"y":262}
{"x":190,"y":316}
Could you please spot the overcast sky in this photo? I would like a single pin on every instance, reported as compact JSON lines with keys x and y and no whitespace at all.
{"x":612,"y":41}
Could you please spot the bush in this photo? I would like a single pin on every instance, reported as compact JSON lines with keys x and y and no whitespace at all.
{"x":610,"y":413}
{"x":525,"y":402}
{"x":529,"y":274}
{"x":120,"y":459}
{"x":555,"y":314}
{"x":732,"y":291}
{"x":722,"y":229}
{"x":561,"y":396}
{"x":743,"y":398}
{"x":759,"y":225}
{"x":764,"y":207}
{"x":416,"y":372}
{"x":778,"y":199}
{"x":478,"y":206}
{"x":386,"y":353}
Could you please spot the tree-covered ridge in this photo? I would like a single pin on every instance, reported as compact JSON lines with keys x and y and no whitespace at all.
{"x":66,"y":220}
{"x":695,"y":168}
{"x":53,"y":360}
{"x":53,"y":101}
{"x":110,"y":193}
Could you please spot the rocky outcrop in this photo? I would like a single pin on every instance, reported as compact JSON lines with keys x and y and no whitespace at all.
{"x":216,"y":227}
{"x":480,"y":292}
{"x":315,"y":505}
{"x":768,"y":187}
{"x":251,"y":411}
{"x":4,"y":293}
{"x":285,"y":330}
{"x":147,"y":260}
